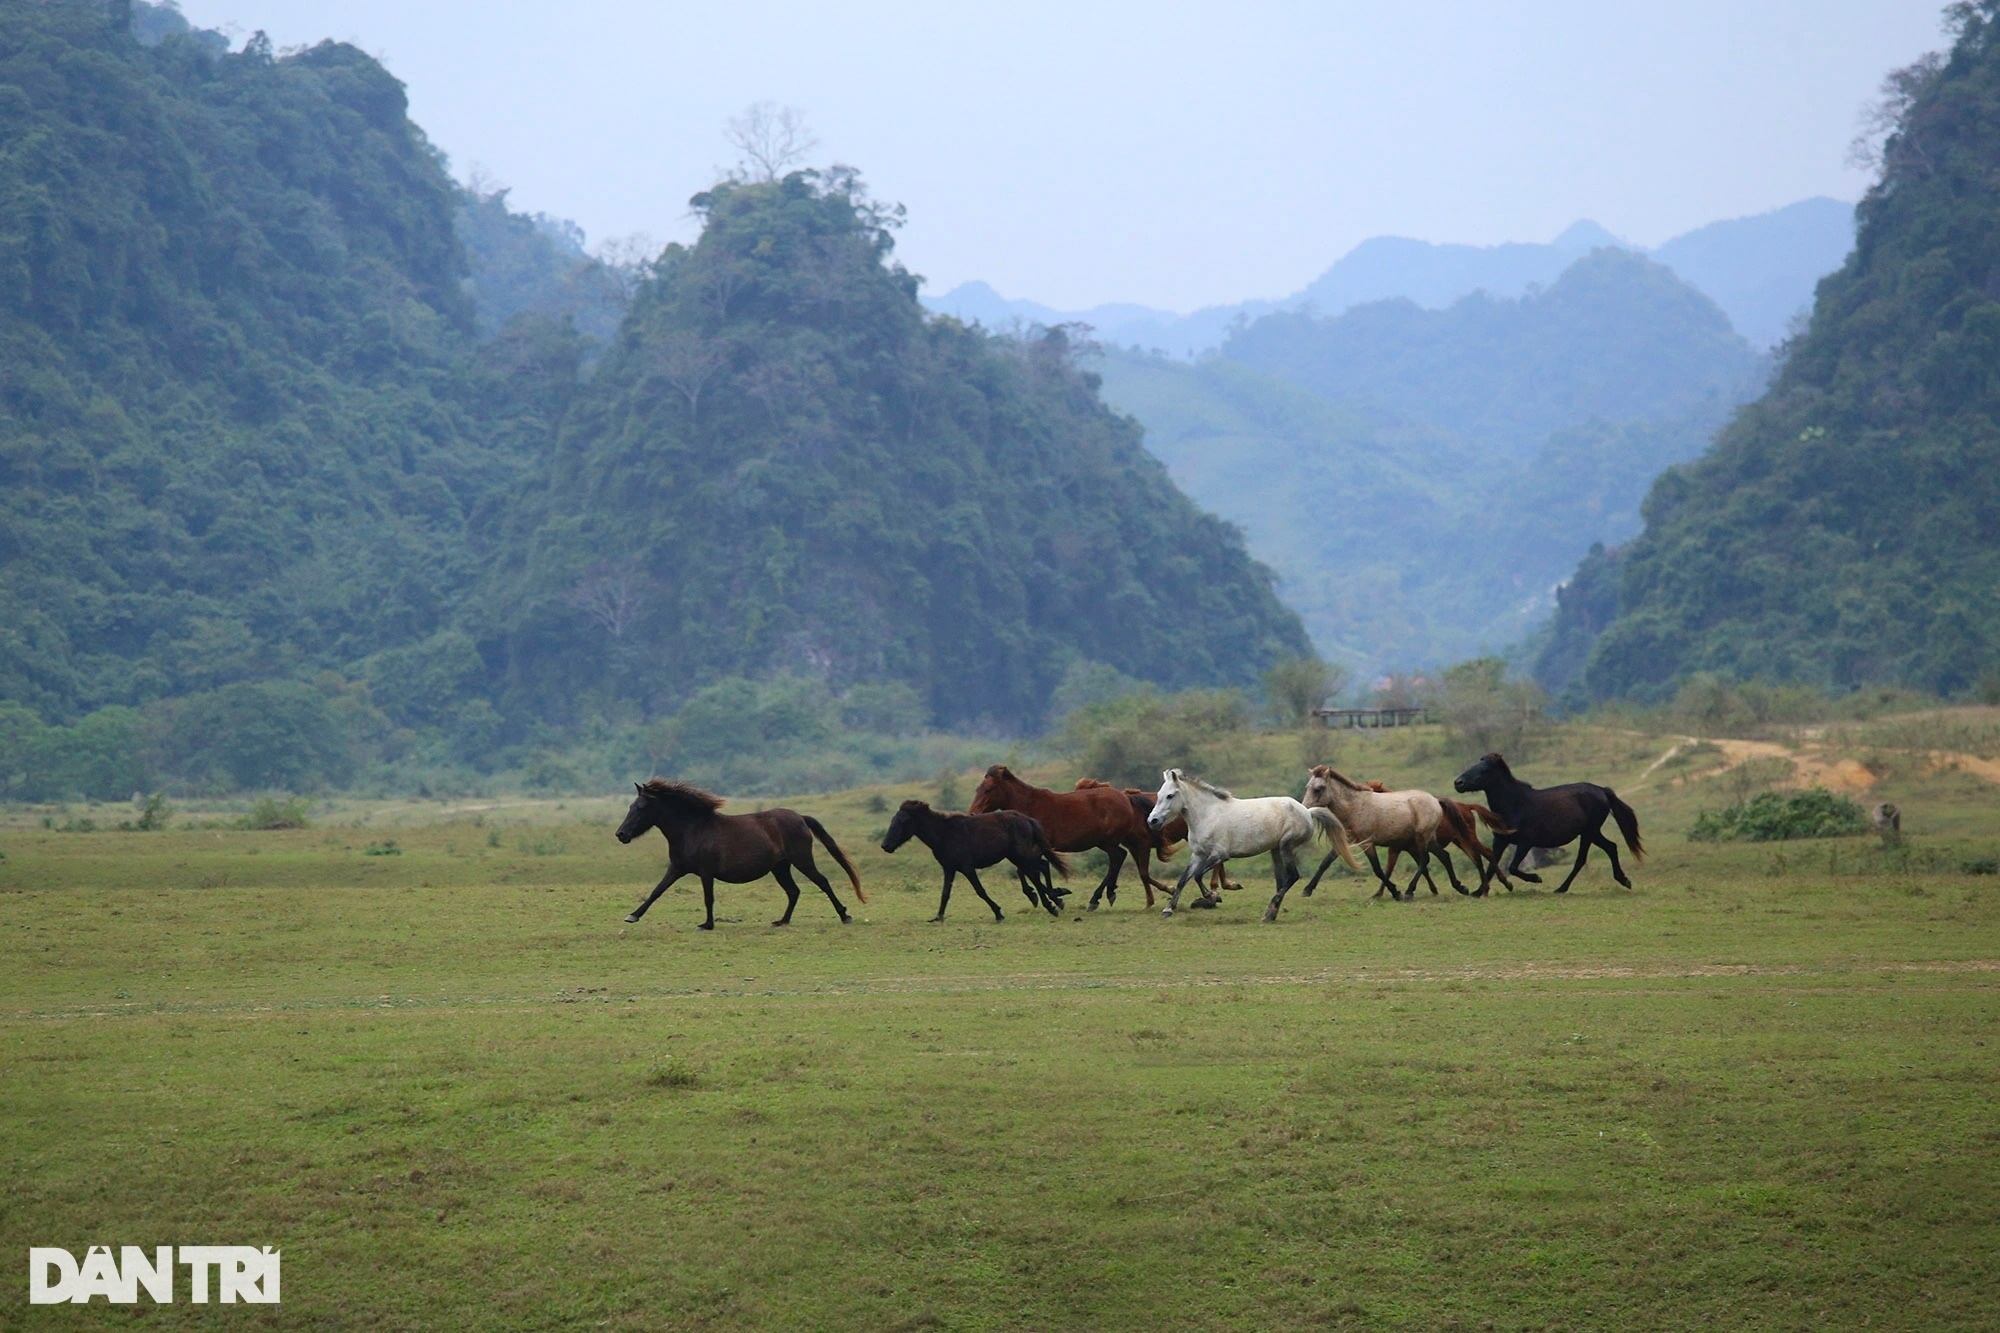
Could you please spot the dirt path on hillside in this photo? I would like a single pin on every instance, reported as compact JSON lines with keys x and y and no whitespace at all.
{"x":1811,"y":765}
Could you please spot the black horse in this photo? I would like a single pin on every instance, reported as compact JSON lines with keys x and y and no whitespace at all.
{"x":1549,"y":817}
{"x":966,"y":844}
{"x":731,"y":848}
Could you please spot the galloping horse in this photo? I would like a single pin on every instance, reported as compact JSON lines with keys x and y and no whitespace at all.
{"x":1403,"y":821}
{"x":732,"y":848}
{"x":1459,"y":827}
{"x":1550,"y":817}
{"x":1167,"y":840}
{"x":967,"y":844}
{"x":1076,"y":821}
{"x":1221,"y":826}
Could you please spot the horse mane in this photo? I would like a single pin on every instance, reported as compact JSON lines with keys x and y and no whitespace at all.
{"x":1209,"y":787}
{"x":681,"y":793}
{"x":1085,"y":784}
{"x":1328,"y":771}
{"x":1375,"y":784}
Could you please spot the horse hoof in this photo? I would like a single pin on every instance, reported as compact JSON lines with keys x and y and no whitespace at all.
{"x":1166,"y":911}
{"x":1270,"y":917}
{"x":632,"y":918}
{"x":706,"y":925}
{"x":846,"y":920}
{"x":1092,"y":907}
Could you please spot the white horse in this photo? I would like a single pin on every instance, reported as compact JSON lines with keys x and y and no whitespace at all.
{"x":1221,"y":827}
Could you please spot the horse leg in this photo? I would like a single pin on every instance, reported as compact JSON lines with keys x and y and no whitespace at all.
{"x":1285,"y":865}
{"x":1142,"y":857}
{"x":1325,"y":863}
{"x":1423,"y":868}
{"x":1582,"y":853}
{"x":783,"y":874}
{"x":673,"y":873}
{"x":944,"y":896}
{"x":972,"y":878}
{"x":811,"y":872}
{"x":1197,"y":866}
{"x":708,"y":902}
{"x":1044,"y":894}
{"x":1451,"y":871}
{"x":1107,"y":888}
{"x":1611,"y":850}
{"x":1486,"y":871}
{"x":1387,"y":883}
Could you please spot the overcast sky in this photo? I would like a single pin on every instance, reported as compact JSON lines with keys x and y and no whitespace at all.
{"x":1170,"y":154}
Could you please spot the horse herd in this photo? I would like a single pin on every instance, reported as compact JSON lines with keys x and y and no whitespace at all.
{"x":1033,"y":828}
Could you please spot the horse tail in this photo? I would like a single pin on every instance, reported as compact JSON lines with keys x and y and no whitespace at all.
{"x":1057,"y":861}
{"x":819,"y":831}
{"x":1491,"y":820}
{"x":1628,"y":823}
{"x":1328,"y":826}
{"x":1455,"y":823}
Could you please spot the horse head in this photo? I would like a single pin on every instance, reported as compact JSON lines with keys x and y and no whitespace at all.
{"x":1490,"y":768}
{"x":904,"y":825}
{"x":987,"y":797}
{"x":1169,"y":802}
{"x":639,"y":816}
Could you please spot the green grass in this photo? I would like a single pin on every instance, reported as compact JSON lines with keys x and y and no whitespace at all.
{"x":458,"y":1090}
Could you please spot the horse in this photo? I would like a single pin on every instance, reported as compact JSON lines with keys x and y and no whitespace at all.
{"x":1458,"y":826}
{"x":1402,"y":820}
{"x":1076,"y":821}
{"x":1168,"y":840}
{"x":1549,"y":817}
{"x":967,"y":844}
{"x":1220,"y":827}
{"x":732,"y":848}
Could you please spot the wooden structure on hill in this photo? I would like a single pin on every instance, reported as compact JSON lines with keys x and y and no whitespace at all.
{"x":1339,"y":718}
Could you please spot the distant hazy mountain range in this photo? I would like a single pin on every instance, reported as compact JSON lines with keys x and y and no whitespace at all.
{"x":1760,"y":270}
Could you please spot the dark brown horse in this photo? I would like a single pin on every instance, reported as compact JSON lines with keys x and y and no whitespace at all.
{"x":967,"y":844}
{"x":1076,"y":821}
{"x":1549,"y":817}
{"x":732,"y":848}
{"x":1458,"y":827}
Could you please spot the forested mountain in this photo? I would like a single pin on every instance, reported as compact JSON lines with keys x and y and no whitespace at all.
{"x":1845,"y":528}
{"x":783,"y":464}
{"x":1760,"y":270}
{"x":1616,"y":336}
{"x":1421,"y":480}
{"x":300,"y":463}
{"x":242,"y":429}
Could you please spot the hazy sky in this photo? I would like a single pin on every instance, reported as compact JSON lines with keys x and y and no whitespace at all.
{"x":1171,"y":154}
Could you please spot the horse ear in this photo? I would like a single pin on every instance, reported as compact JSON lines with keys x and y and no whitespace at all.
{"x":639,"y":787}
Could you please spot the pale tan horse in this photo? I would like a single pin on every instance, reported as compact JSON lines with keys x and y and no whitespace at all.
{"x":1404,"y":821}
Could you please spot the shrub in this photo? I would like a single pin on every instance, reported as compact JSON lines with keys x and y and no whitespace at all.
{"x":1782,"y":816}
{"x":276,"y":812}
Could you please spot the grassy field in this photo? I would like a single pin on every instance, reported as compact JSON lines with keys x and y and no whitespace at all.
{"x":418,"y":1048}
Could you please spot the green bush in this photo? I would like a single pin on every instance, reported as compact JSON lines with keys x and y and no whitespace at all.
{"x":1782,"y":816}
{"x":275,"y":812}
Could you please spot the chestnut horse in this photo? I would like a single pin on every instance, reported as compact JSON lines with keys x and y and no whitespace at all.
{"x":732,"y":848}
{"x":1550,"y":817}
{"x":1076,"y":821}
